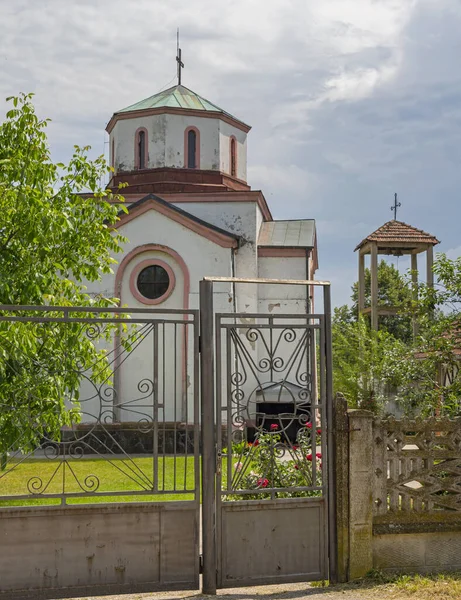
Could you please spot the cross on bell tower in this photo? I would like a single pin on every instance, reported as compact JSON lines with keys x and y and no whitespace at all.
{"x":179,"y":60}
{"x":395,"y":206}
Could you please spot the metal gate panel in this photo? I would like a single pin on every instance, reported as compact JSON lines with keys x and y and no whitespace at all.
{"x":272,"y":542}
{"x":273,"y":443}
{"x":111,"y":502}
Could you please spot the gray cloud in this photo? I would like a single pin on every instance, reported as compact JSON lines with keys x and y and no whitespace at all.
{"x":350,"y":100}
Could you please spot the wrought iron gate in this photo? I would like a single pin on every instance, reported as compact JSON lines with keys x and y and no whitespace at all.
{"x":111,"y":501}
{"x":132,"y":441}
{"x":268,"y":473}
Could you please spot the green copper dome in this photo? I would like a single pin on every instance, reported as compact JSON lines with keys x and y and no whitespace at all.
{"x":177,"y":96}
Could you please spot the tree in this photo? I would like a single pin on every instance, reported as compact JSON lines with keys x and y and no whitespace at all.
{"x":429,"y":370}
{"x":52,"y":240}
{"x":361,"y":358}
{"x":422,"y":372}
{"x":394,"y":291}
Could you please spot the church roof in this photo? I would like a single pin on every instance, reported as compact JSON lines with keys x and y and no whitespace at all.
{"x":288,"y":234}
{"x":399,"y":232}
{"x":177,"y":96}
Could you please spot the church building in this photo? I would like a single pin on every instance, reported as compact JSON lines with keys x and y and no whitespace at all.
{"x":192,"y":214}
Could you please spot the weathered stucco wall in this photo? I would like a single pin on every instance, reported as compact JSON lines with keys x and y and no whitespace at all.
{"x":166,"y":143}
{"x":225,"y":133}
{"x":107,"y":548}
{"x":282,"y":298}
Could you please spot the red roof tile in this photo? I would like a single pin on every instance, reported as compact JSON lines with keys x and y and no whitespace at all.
{"x":397,"y":231}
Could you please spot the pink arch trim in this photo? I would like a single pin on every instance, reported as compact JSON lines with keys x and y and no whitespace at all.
{"x":146,"y":148}
{"x":149,"y":248}
{"x":197,"y":147}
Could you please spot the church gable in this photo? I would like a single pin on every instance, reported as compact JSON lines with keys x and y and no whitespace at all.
{"x":153,"y":203}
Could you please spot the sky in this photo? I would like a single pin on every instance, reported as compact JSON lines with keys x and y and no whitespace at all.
{"x":349,"y":100}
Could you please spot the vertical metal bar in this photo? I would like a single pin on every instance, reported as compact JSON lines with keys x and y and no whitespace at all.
{"x":332,"y":534}
{"x":175,"y":400}
{"x":196,"y":410}
{"x":155,"y":415}
{"x":228,"y":409}
{"x":185,"y":405}
{"x":164,"y":380}
{"x":208,"y":439}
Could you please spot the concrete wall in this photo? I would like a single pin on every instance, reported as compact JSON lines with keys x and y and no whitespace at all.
{"x":393,"y":535}
{"x":425,"y":552}
{"x":99,"y":549}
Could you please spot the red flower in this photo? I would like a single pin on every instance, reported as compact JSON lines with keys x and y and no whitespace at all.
{"x":274,"y":427}
{"x":263,"y":482}
{"x":319,"y":455}
{"x":296,"y":467}
{"x":256,"y":443}
{"x":319,"y":431}
{"x":309,"y":457}
{"x":309,"y":425}
{"x":295,"y":447}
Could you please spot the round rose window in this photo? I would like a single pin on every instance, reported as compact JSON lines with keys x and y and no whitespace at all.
{"x":153,"y":282}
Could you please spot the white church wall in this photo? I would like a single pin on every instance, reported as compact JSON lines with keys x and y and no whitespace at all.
{"x":236,"y":217}
{"x":166,"y":141}
{"x":240,"y":218}
{"x":202,"y":257}
{"x":225,"y":132}
{"x":282,"y":298}
{"x":124,"y":134}
{"x":175,"y":141}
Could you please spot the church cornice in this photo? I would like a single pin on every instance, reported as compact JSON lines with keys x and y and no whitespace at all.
{"x":176,"y":180}
{"x":146,"y":112}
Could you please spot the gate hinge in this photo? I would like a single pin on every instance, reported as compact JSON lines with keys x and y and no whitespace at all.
{"x":200,"y":563}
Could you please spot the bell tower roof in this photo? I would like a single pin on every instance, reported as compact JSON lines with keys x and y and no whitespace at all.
{"x":176,"y":98}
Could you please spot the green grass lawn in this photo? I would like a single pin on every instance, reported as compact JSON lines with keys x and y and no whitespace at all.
{"x":114,"y":475}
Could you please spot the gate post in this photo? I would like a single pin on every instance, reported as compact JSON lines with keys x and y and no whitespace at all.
{"x":208,"y":438}
{"x":330,"y":421}
{"x":360,"y":492}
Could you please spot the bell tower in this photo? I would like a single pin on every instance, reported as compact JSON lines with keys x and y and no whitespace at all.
{"x":394,"y":238}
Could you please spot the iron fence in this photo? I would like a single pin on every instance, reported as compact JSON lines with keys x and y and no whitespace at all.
{"x":98,"y":403}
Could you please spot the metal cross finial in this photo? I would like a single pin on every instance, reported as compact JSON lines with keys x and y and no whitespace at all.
{"x":178,"y":60}
{"x":395,"y":206}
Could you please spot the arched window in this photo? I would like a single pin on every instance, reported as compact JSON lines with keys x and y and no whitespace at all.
{"x":233,"y":157}
{"x":192,"y":148}
{"x":112,"y":160}
{"x":140,"y":149}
